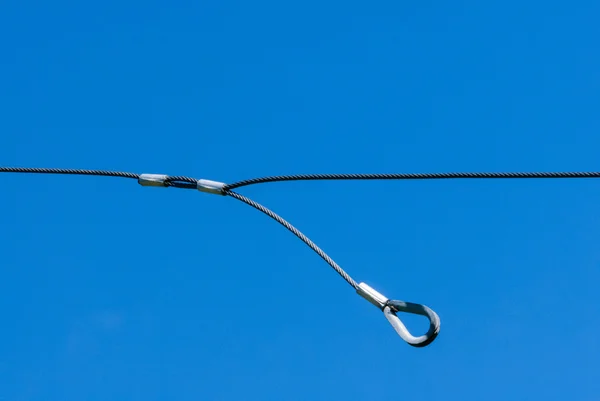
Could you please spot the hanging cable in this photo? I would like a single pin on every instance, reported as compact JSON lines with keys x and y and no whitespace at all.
{"x":297,"y":233}
{"x":389,"y":307}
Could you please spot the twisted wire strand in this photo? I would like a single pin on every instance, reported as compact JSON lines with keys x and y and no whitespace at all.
{"x":409,"y":176}
{"x":68,"y":171}
{"x":297,"y":233}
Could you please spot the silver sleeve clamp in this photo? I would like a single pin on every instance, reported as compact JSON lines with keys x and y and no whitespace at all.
{"x":391,"y":307}
{"x":152,"y":180}
{"x":212,"y":187}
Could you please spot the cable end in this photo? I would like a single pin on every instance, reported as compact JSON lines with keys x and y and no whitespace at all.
{"x":390,"y":308}
{"x":152,"y":180}
{"x":211,"y":187}
{"x":402,"y":331}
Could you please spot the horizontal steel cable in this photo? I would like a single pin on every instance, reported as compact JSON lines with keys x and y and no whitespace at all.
{"x":408,"y":176}
{"x":68,"y":171}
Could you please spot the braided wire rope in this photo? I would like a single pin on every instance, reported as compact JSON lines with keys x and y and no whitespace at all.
{"x":408,"y":176}
{"x":68,"y":172}
{"x":297,"y":233}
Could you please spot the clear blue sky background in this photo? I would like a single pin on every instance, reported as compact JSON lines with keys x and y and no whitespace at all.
{"x":111,"y":291}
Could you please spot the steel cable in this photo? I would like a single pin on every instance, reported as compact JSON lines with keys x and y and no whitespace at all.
{"x":68,"y":171}
{"x":408,"y":176}
{"x":297,"y":233}
{"x":389,"y":307}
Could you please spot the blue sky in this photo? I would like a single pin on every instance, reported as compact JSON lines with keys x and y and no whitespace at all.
{"x":111,"y":291}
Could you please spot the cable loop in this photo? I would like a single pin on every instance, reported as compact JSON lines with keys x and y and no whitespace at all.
{"x":392,"y":307}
